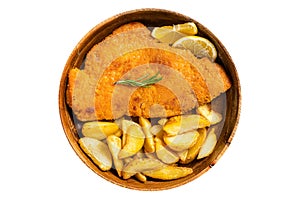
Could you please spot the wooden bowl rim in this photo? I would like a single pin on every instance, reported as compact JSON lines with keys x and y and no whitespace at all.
{"x":70,"y":130}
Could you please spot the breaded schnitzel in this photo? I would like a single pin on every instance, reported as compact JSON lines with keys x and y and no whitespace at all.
{"x":129,"y":53}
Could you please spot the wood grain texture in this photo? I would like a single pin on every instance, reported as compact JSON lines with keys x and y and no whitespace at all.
{"x":229,"y":104}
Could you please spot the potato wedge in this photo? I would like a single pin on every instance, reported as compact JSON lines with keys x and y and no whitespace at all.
{"x":162,"y":121}
{"x":138,"y":165}
{"x":144,"y":122}
{"x":164,"y":154}
{"x":124,"y":126}
{"x":134,"y":141}
{"x":204,"y":110}
{"x":119,"y":122}
{"x":168,"y":172}
{"x":208,"y":145}
{"x":182,"y":141}
{"x":149,"y":145}
{"x":114,"y":145}
{"x":194,"y":150}
{"x":119,"y":133}
{"x":160,"y":135}
{"x":126,"y":123}
{"x":156,"y":129}
{"x":213,"y":116}
{"x":97,"y":151}
{"x":185,"y":123}
{"x":141,"y":177}
{"x":182,"y":155}
{"x":99,"y":130}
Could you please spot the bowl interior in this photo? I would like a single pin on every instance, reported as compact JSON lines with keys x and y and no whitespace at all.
{"x":228,"y":103}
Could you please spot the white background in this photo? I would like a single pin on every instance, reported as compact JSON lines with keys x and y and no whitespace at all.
{"x":37,"y":161}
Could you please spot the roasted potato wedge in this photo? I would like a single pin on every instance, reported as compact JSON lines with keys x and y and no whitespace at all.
{"x":124,"y":126}
{"x":126,"y":123}
{"x":97,"y":151}
{"x":144,"y":122}
{"x":162,"y":121}
{"x":149,"y":145}
{"x":212,"y":116}
{"x":156,"y":129}
{"x":208,"y":145}
{"x":185,"y":123}
{"x":168,"y":172}
{"x":204,"y":110}
{"x":99,"y":130}
{"x":160,"y":135}
{"x":164,"y":154}
{"x":114,"y":145}
{"x":134,"y":141}
{"x":119,"y":122}
{"x":194,"y":150}
{"x":182,"y":141}
{"x":141,"y":177}
{"x":119,"y":133}
{"x":182,"y":155}
{"x":138,"y":165}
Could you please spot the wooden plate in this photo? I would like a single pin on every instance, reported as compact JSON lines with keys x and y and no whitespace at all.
{"x":228,"y":103}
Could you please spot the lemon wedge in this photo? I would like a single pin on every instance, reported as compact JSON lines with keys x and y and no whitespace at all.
{"x":170,"y":34}
{"x":199,"y":46}
{"x":166,"y":34}
{"x":188,"y":28}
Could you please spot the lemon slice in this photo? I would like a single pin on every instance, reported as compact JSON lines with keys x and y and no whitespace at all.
{"x":188,"y":28}
{"x":166,"y":34}
{"x":170,"y":34}
{"x":199,"y":46}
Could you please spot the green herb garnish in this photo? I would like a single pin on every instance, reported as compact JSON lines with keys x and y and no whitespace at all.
{"x":143,"y":81}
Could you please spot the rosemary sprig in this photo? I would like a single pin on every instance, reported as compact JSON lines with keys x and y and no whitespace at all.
{"x":143,"y":81}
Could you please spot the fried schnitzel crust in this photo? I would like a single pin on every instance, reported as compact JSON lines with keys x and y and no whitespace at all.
{"x":187,"y":82}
